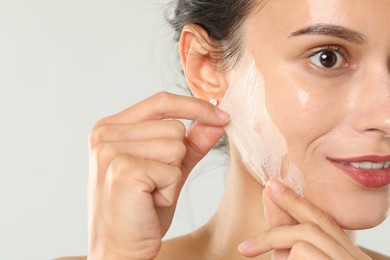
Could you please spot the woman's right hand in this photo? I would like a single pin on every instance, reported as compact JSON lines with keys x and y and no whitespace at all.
{"x":139,"y":161}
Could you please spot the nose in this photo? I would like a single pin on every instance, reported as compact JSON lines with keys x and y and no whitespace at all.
{"x":371,"y":107}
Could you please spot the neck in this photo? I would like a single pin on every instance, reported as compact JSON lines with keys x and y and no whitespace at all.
{"x":241,"y":210}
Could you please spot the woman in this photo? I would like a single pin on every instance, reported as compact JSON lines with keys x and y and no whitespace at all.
{"x":326,"y":74}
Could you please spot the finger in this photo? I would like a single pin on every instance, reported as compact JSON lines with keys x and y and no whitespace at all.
{"x":131,"y":188}
{"x":123,"y":208}
{"x":165,"y":105}
{"x":136,"y":177}
{"x":169,"y":151}
{"x":306,"y":251}
{"x":169,"y":129}
{"x":303,"y":211}
{"x":200,"y":140}
{"x":274,"y":215}
{"x":285,"y":237}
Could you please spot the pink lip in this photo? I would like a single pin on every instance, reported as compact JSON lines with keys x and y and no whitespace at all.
{"x":368,"y":178}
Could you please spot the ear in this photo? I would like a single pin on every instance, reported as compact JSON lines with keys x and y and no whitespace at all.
{"x":202,"y":72}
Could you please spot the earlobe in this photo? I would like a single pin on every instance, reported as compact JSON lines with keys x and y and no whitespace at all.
{"x":201,"y":71}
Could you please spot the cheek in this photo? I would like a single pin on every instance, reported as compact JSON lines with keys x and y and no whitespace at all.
{"x":304,"y":112}
{"x":309,"y":115}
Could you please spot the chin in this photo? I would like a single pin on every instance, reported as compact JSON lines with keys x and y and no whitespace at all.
{"x":353,"y":207}
{"x":360,"y":223}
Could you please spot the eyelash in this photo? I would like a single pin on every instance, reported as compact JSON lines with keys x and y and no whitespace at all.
{"x":331,"y":48}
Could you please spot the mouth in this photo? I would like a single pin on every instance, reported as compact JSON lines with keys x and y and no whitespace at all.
{"x":368,"y":171}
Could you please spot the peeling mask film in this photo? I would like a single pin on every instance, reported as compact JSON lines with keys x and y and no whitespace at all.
{"x":262,"y":147}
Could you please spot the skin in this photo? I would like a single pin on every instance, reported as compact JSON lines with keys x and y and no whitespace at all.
{"x":140,"y":162}
{"x":347,"y":105}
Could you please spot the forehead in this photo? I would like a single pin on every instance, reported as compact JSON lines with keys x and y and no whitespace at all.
{"x":284,"y":17}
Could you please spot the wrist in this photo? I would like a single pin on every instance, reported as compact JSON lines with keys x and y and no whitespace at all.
{"x":107,"y":249}
{"x":104,"y":255}
{"x":110,"y":255}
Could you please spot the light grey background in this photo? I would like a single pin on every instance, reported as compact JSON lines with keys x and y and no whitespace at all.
{"x":63,"y":65}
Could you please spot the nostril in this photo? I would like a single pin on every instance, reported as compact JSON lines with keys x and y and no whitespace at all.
{"x":388,"y":65}
{"x":383,"y":133}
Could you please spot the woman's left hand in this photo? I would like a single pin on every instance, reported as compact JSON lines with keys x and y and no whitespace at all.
{"x":299,"y":230}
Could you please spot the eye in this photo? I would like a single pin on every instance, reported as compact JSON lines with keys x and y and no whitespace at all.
{"x":329,"y":58}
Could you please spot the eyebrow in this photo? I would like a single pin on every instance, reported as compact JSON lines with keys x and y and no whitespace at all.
{"x":332,"y":30}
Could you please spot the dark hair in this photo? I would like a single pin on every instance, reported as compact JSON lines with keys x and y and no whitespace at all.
{"x":221,"y":19}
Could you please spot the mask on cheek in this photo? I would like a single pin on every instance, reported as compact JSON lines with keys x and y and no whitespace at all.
{"x":262,"y":147}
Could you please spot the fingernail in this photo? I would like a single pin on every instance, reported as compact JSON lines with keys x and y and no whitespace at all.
{"x":222,"y":114}
{"x":275,"y":185}
{"x":245,"y":245}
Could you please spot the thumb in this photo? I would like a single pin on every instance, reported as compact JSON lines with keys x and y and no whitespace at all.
{"x":200,"y":140}
{"x":275,"y":217}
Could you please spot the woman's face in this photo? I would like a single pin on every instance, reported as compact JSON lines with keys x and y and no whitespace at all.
{"x":326,"y":67}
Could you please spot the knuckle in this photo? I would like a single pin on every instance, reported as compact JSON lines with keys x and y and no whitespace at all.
{"x":120,"y":167}
{"x":178,"y":128}
{"x":294,"y":201}
{"x":96,"y":135}
{"x":266,"y":235}
{"x":162,"y":97}
{"x":300,"y":250}
{"x":132,"y":172}
{"x":102,"y":121}
{"x":126,"y":172}
{"x":177,"y":152}
{"x":103,"y":165}
{"x":180,"y":148}
{"x":104,"y":153}
{"x":99,"y":161}
{"x":177,"y":176}
{"x":266,"y":238}
{"x":173,"y":181}
{"x":163,"y":100}
{"x":325,"y":218}
{"x":300,"y":246}
{"x":310,"y":228}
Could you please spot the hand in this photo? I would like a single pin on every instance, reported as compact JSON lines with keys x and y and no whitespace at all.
{"x":299,"y":230}
{"x":139,"y":161}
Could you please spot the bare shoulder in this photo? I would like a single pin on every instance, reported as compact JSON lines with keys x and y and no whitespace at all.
{"x":72,"y":258}
{"x":375,"y":255}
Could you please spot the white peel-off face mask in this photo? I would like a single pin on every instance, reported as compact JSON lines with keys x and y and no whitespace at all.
{"x":261,"y":145}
